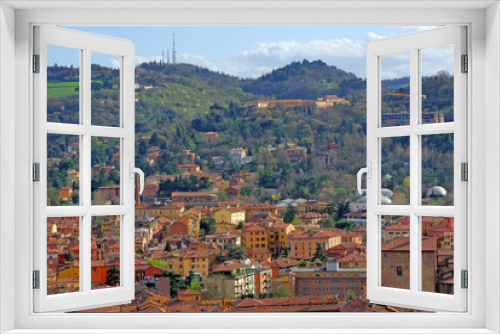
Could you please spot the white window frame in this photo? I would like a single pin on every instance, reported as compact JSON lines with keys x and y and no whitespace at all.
{"x":484,"y":102}
{"x":413,"y":43}
{"x":85,"y":43}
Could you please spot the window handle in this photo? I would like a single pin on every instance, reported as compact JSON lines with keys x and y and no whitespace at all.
{"x":362,"y":171}
{"x":135,"y":170}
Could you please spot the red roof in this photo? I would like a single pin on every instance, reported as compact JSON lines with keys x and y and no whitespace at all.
{"x":254,"y":228}
{"x":187,"y":292}
{"x":403,"y":244}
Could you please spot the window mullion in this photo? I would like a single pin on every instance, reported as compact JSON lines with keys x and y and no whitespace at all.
{"x":85,"y":175}
{"x":415,"y":194}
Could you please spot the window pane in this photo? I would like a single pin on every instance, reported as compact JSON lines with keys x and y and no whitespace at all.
{"x":395,"y":171}
{"x":63,"y":84}
{"x":437,"y":169}
{"x":395,"y":261}
{"x":105,"y":250}
{"x":63,"y":255}
{"x":395,"y":75}
{"x":105,"y":171}
{"x":437,"y":84}
{"x":437,"y":254}
{"x":105,"y":89}
{"x":63,"y":165}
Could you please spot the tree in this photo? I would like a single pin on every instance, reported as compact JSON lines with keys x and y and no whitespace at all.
{"x":222,"y":195}
{"x":168,"y":248}
{"x":239,"y":226}
{"x":319,"y":254}
{"x":282,"y":291}
{"x":195,"y":284}
{"x":351,"y":295}
{"x":155,"y":140}
{"x":346,"y":225}
{"x":342,"y":209}
{"x":113,"y":276}
{"x":208,"y":225}
{"x":289,"y":214}
{"x":236,"y":252}
{"x":69,"y":257}
{"x":285,"y":251}
{"x":54,"y":196}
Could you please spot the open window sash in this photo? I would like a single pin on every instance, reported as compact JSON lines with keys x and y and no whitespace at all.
{"x":415,"y":296}
{"x":80,"y":294}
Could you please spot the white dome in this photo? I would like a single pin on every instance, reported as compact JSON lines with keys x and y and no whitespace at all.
{"x":384,"y":200}
{"x":437,"y":191}
{"x":386,"y":192}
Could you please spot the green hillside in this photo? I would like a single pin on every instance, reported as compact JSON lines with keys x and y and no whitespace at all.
{"x":177,"y":104}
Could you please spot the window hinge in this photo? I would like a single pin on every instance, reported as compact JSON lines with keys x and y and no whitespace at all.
{"x":36,"y":63}
{"x":36,"y":279}
{"x":464,"y":171}
{"x":36,"y":172}
{"x":465,"y":279}
{"x":465,"y":64}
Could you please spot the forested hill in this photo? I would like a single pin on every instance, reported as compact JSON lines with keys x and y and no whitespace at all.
{"x":306,"y":80}
{"x":156,"y":74}
{"x":298,"y":80}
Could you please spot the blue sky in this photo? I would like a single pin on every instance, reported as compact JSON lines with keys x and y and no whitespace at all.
{"x":252,"y":51}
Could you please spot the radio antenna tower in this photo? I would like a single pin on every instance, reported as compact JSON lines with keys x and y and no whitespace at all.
{"x":168,"y":56}
{"x":174,"y":53}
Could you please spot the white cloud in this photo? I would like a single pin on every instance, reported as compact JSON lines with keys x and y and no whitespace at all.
{"x":267,"y":56}
{"x":140,"y":59}
{"x":371,"y":36}
{"x":344,"y":53}
{"x":415,"y":29}
{"x":115,"y":63}
{"x":197,"y":60}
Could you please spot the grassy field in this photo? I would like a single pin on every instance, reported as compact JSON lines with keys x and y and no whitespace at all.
{"x":61,"y":88}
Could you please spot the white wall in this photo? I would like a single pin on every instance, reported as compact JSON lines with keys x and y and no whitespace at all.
{"x":492,"y":149}
{"x":7,"y":159}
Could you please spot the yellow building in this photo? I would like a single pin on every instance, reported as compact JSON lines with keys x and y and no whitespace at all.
{"x":203,"y":213}
{"x":189,"y":168}
{"x":182,"y":261}
{"x":110,"y":228}
{"x":255,"y":238}
{"x":278,"y":236}
{"x":220,"y":184}
{"x":230,"y":215}
{"x":66,"y":193}
{"x":70,"y":272}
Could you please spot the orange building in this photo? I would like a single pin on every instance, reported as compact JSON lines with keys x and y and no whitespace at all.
{"x":66,"y":193}
{"x":255,"y":238}
{"x":189,"y":168}
{"x":189,"y":295}
{"x":352,"y":261}
{"x":259,"y":208}
{"x":303,"y":243}
{"x":278,"y":237}
{"x":396,"y":263}
{"x":211,"y":137}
